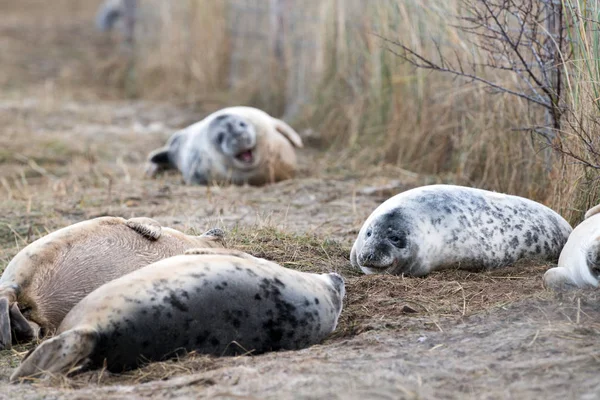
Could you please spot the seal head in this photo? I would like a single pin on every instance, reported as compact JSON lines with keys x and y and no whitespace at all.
{"x":235,"y":138}
{"x":386,"y":246}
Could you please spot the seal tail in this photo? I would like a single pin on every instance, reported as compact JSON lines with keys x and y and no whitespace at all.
{"x":57,"y":355}
{"x":289,"y":132}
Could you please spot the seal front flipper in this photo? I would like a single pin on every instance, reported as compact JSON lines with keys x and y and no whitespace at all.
{"x":57,"y":355}
{"x":22,"y":329}
{"x":158,"y":161}
{"x":5,"y":333}
{"x":146,"y":227}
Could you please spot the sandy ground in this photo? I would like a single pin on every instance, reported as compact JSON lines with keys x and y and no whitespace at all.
{"x":71,"y":150}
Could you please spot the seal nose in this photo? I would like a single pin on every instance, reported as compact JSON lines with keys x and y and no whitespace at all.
{"x":365,"y":258}
{"x":236,"y":130}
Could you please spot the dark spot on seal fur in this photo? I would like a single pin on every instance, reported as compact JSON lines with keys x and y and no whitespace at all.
{"x":201,"y":337}
{"x":175,"y":302}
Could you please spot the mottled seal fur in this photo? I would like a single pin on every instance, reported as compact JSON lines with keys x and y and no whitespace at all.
{"x":48,"y":277}
{"x":234,"y":145}
{"x":579,"y":261}
{"x":212,"y":301}
{"x":440,"y":226}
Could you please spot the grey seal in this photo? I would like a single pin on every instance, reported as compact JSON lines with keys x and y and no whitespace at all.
{"x":212,"y":301}
{"x":48,"y":277}
{"x":440,"y":226}
{"x":239,"y":145}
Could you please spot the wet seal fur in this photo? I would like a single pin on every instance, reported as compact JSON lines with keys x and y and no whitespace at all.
{"x":234,"y":145}
{"x":579,"y":261}
{"x":48,"y":277}
{"x":440,"y":226}
{"x":212,"y":301}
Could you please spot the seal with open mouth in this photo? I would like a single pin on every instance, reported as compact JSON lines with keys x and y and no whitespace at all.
{"x":234,"y":145}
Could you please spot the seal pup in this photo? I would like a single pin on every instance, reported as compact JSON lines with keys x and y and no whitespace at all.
{"x":440,"y":226}
{"x":234,"y":145}
{"x":579,"y":261}
{"x":49,"y":276}
{"x":212,"y":301}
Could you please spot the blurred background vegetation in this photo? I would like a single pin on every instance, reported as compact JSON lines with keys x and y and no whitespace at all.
{"x":325,"y":66}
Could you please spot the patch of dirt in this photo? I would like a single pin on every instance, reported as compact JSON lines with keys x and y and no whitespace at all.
{"x":69,"y":154}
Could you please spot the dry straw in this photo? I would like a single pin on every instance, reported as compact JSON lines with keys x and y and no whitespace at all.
{"x":323,"y":65}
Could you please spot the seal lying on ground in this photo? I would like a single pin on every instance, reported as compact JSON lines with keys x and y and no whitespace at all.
{"x":234,"y":145}
{"x":48,"y":277}
{"x":440,"y":226}
{"x":579,"y":261}
{"x":213,"y":301}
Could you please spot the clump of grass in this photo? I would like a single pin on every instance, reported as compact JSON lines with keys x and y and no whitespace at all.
{"x":304,"y":252}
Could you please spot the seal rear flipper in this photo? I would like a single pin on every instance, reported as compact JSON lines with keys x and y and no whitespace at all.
{"x":22,"y":329}
{"x":592,"y":211}
{"x":214,"y":232}
{"x":57,"y":355}
{"x":5,"y":331}
{"x":146,"y":227}
{"x":214,"y":235}
{"x":289,"y":132}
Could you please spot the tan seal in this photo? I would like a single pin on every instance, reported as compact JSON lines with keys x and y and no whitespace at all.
{"x":48,"y":277}
{"x":212,"y":301}
{"x":234,"y":145}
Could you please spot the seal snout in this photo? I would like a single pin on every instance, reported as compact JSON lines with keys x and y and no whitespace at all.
{"x":236,"y":137}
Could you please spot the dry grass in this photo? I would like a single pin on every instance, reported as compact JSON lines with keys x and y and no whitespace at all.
{"x":356,"y":94}
{"x":451,"y":334}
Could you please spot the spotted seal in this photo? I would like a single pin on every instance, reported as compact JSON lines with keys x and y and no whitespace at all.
{"x":212,"y":301}
{"x":439,"y":226}
{"x":579,"y":261}
{"x":234,"y":145}
{"x":49,"y":276}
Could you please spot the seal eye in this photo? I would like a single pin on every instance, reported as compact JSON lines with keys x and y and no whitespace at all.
{"x":369,"y":233}
{"x":243,"y":124}
{"x":398,"y":241}
{"x":220,"y":137}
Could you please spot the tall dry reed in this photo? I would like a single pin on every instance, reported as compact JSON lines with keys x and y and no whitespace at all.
{"x":323,"y":65}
